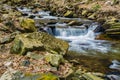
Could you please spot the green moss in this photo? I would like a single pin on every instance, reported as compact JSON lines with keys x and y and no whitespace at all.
{"x":48,"y":76}
{"x":28,"y":25}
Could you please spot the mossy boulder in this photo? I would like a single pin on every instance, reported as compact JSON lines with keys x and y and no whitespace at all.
{"x":48,"y":76}
{"x":28,"y":25}
{"x":54,"y":59}
{"x":38,"y":41}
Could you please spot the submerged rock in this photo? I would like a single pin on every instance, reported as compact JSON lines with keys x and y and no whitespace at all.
{"x":38,"y":41}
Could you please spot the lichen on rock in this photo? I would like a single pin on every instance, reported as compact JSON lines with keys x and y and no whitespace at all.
{"x":38,"y":41}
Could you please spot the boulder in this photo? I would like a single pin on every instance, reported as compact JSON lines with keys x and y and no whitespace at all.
{"x":38,"y":41}
{"x":8,"y":38}
{"x":48,"y":76}
{"x":34,"y":55}
{"x":54,"y":59}
{"x":92,"y":76}
{"x":28,"y":24}
{"x":11,"y":74}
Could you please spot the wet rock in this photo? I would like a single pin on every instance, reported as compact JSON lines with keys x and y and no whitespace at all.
{"x":69,"y":14}
{"x":28,"y":24}
{"x":54,"y":59}
{"x":38,"y":41}
{"x":32,"y":16}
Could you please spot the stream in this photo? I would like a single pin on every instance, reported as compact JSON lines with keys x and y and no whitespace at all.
{"x":81,"y":39}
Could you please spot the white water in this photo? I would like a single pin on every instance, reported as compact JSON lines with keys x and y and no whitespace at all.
{"x":83,"y":40}
{"x":115,"y":65}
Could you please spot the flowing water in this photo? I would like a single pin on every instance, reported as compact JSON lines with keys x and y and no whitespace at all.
{"x":81,"y":39}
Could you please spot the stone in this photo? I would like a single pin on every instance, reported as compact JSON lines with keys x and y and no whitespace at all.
{"x":54,"y":59}
{"x":11,"y":74}
{"x":84,"y":12}
{"x":68,"y":14}
{"x":39,"y":41}
{"x":24,"y":43}
{"x":108,"y":3}
{"x":90,"y":76}
{"x":71,"y":23}
{"x":92,"y":16}
{"x":34,"y":55}
{"x":28,"y":24}
{"x":114,"y":30}
{"x":26,"y":63}
{"x":8,"y":38}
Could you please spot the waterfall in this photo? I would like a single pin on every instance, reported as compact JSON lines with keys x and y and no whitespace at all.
{"x":76,"y":33}
{"x":82,"y":39}
{"x":68,"y":32}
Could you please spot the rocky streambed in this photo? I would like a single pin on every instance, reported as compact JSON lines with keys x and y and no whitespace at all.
{"x":36,"y":45}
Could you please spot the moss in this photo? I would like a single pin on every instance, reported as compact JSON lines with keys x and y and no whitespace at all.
{"x":28,"y":25}
{"x":48,"y":76}
{"x":38,"y":41}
